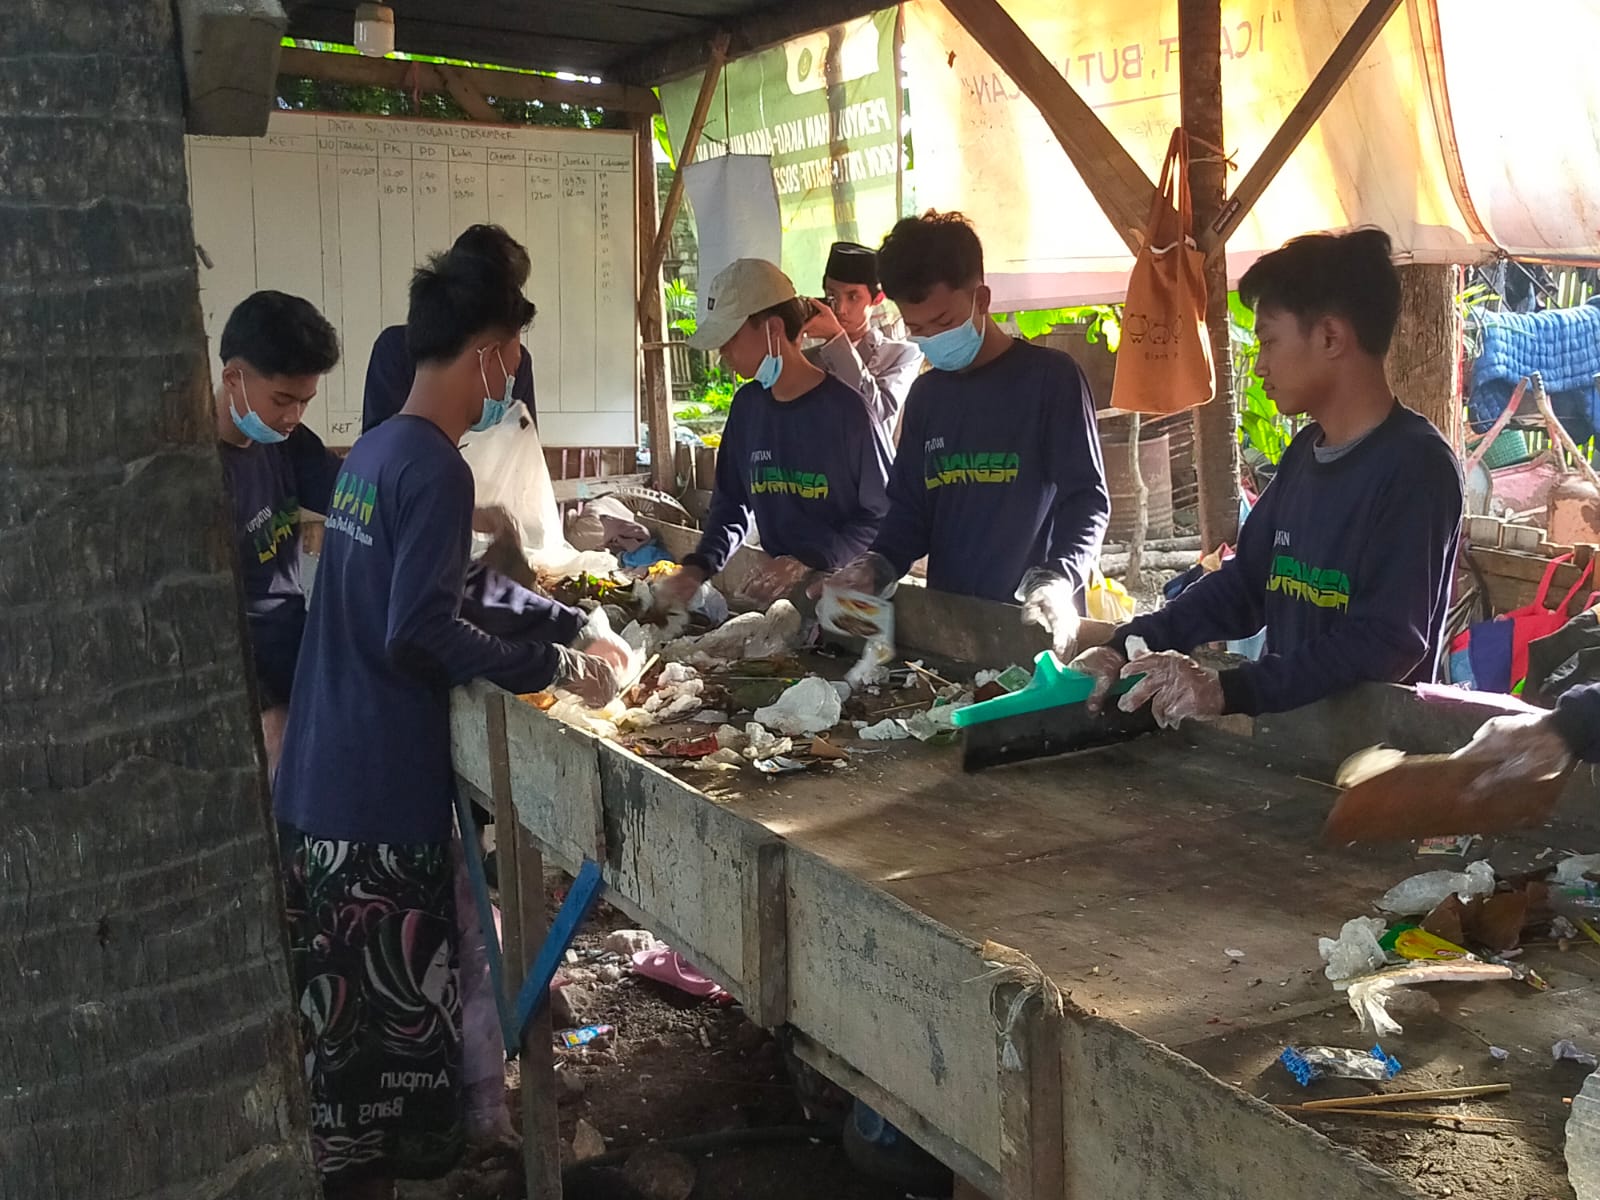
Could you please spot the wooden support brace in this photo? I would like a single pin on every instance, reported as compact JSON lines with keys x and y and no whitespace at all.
{"x":465,"y":93}
{"x":651,"y":270}
{"x":655,"y":406}
{"x":1363,"y":31}
{"x":1118,"y":184}
{"x":766,"y":933}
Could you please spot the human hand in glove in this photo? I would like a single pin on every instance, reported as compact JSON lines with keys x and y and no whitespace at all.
{"x":871,"y":573}
{"x":1105,"y":665}
{"x":1047,"y":601}
{"x":589,"y":677}
{"x":607,"y":646}
{"x":1524,"y":748}
{"x":776,"y":578}
{"x":678,"y":588}
{"x":1176,"y":686}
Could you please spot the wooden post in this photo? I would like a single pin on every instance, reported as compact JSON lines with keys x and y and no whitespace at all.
{"x":1033,"y":1149}
{"x":1141,"y":507}
{"x":1216,"y":443}
{"x":1425,"y":359}
{"x":657,"y":253}
{"x":656,"y":406}
{"x":523,"y":919}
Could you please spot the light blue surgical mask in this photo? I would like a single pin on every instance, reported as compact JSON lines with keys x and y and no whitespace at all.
{"x":249,"y":424}
{"x":494,"y":411}
{"x":954,"y":349}
{"x":771,"y":366}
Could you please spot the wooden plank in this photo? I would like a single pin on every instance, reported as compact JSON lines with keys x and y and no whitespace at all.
{"x":890,"y":990}
{"x":1033,"y":1153}
{"x":1215,"y":425}
{"x":469,"y":736}
{"x":361,"y":71}
{"x":763,"y":29}
{"x":765,"y":920}
{"x":650,"y":270}
{"x":656,"y":400}
{"x":555,"y":784}
{"x":1118,"y":184}
{"x":597,"y":485}
{"x":1358,"y":39}
{"x":522,"y":909}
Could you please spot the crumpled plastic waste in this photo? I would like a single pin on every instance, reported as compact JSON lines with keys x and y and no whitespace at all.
{"x":720,"y":760}
{"x":1370,"y":995}
{"x":602,"y":722}
{"x":710,"y":716}
{"x":887,"y":730}
{"x":810,"y":706}
{"x":1572,"y":870}
{"x":760,"y":743}
{"x":871,"y":669}
{"x":936,"y":722}
{"x":1311,"y":1063}
{"x":779,"y":765}
{"x":1425,"y":892}
{"x":666,"y":965}
{"x":1567,"y":1049}
{"x":678,"y":691}
{"x":749,"y":635}
{"x":606,"y":523}
{"x":1355,"y":951}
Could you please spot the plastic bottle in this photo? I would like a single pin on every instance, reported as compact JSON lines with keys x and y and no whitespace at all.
{"x":1583,"y":1141}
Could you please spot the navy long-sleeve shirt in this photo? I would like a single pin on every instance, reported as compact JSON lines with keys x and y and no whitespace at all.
{"x":1348,"y":563}
{"x":998,"y":473}
{"x":810,"y":471}
{"x":367,"y":752}
{"x":390,"y":372}
{"x":268,"y":486}
{"x":1577,"y":719}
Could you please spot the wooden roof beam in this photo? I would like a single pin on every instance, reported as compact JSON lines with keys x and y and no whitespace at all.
{"x":1118,"y":184}
{"x":1363,"y":31}
{"x":360,"y":71}
{"x":655,"y":65}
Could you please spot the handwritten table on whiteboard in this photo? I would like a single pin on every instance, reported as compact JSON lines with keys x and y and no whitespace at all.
{"x":341,"y":210}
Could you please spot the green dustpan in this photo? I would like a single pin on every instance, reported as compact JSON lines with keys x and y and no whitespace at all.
{"x":1052,"y":686}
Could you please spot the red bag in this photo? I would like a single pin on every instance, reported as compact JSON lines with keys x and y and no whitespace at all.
{"x":1537,"y":621}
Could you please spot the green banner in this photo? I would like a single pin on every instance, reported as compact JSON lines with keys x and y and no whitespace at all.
{"x":826,"y":108}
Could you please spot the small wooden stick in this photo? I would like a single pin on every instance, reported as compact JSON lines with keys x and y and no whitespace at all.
{"x":927,"y":674}
{"x":1388,"y":1115}
{"x":1449,"y":1093}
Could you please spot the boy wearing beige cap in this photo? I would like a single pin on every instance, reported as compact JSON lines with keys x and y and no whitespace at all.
{"x":800,"y":456}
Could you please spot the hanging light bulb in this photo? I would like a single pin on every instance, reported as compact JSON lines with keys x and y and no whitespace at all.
{"x":375,"y":29}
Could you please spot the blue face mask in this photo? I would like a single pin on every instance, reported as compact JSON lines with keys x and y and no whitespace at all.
{"x":494,"y":411}
{"x":954,"y":349}
{"x":771,"y":366}
{"x":249,"y":424}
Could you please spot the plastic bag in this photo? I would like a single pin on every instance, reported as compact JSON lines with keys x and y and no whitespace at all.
{"x":1310,"y":1063}
{"x":810,"y":706}
{"x":508,"y":469}
{"x":1423,"y":893}
{"x":1355,"y":951}
{"x":1107,"y":600}
{"x":750,"y":635}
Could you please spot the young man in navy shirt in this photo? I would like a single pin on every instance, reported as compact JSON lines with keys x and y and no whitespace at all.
{"x":364,"y":796}
{"x":390,"y":368}
{"x":998,"y":477}
{"x":275,"y":350}
{"x":1349,"y":555}
{"x":800,"y":456}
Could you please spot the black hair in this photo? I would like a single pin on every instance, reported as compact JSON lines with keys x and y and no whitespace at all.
{"x":279,"y":334}
{"x":457,"y":297}
{"x":494,"y":243}
{"x":927,"y":250}
{"x":794,"y":313}
{"x":1349,"y":275}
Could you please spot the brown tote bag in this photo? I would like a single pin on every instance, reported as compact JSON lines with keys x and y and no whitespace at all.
{"x":1164,"y":361}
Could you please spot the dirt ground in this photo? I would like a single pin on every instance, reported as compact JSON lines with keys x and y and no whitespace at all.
{"x":675,"y":1067}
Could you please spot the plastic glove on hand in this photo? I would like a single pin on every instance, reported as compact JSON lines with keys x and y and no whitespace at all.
{"x":1049,"y":603}
{"x":678,"y":588}
{"x":1176,"y":687}
{"x":871,"y":573}
{"x":776,"y":579}
{"x":1524,"y":747}
{"x":587,"y":676}
{"x":1105,"y":665}
{"x":610,"y":648}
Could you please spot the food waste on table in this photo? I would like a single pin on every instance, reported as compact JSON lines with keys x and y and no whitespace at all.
{"x":754,"y":691}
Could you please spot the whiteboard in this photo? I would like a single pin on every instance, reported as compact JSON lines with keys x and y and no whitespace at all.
{"x":340,"y":210}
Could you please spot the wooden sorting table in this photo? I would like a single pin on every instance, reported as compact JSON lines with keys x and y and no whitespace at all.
{"x":852,"y":905}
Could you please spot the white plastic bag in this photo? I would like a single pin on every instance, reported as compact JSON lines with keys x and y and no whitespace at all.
{"x":508,"y":469}
{"x":810,"y":706}
{"x":1356,"y":951}
{"x":1423,"y":893}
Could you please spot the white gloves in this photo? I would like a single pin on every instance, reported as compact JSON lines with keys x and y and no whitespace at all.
{"x":1047,"y":601}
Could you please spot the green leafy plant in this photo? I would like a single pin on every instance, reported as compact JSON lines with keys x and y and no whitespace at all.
{"x":1102,"y":320}
{"x":1261,"y":426}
